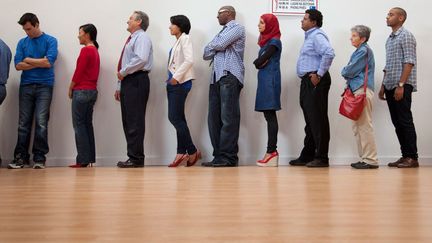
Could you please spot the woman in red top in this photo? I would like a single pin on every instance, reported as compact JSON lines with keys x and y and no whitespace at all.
{"x":83,"y":93}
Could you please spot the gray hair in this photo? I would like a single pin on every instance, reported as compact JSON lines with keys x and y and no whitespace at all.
{"x":362,"y":31}
{"x":140,"y":15}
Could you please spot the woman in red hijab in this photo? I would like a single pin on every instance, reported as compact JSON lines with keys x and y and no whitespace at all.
{"x":269,"y":83}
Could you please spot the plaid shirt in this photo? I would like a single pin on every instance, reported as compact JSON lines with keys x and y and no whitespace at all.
{"x":400,"y":49}
{"x":226,"y":51}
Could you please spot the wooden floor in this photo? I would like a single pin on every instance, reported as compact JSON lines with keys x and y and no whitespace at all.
{"x":245,"y":204}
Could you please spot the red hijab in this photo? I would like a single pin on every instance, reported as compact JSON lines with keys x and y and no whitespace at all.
{"x":271,"y":29}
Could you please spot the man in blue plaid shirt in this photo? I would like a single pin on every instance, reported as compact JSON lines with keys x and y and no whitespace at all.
{"x":400,"y":80}
{"x":225,"y":52}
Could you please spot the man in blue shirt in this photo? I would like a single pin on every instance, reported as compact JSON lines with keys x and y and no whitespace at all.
{"x":313,"y":64}
{"x":226,"y":52}
{"x":136,"y":61}
{"x":5,"y":60}
{"x":35,"y":57}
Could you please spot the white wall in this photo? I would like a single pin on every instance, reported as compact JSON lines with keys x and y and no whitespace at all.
{"x":62,"y":19}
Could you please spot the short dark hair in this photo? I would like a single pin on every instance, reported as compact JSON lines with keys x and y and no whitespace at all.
{"x":182,"y":22}
{"x":402,"y":12}
{"x":315,"y":15}
{"x":29,"y":17}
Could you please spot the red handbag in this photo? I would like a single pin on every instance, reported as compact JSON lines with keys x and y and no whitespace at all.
{"x":352,"y":106}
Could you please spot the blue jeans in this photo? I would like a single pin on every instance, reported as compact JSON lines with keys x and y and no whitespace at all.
{"x":224,"y":118}
{"x":82,"y":118}
{"x":34,"y":101}
{"x":176,"y":102}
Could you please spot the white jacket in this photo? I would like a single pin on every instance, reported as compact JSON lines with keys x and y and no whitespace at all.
{"x":180,"y":63}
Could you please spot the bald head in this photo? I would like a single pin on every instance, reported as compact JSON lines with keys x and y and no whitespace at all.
{"x":229,"y":9}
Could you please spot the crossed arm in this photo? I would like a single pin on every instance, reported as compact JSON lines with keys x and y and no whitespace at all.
{"x":30,"y":63}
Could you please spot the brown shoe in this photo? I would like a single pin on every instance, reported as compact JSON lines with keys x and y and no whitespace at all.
{"x":395,"y":164}
{"x":409,"y":163}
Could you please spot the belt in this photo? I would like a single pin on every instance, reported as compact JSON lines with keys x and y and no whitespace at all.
{"x":308,"y":73}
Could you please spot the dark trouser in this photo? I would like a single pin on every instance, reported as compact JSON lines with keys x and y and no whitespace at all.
{"x":314,"y":103}
{"x":176,"y":104}
{"x":2,"y":93}
{"x":134,"y":94}
{"x":224,"y":118}
{"x":34,"y":100}
{"x":82,"y":118}
{"x":272,"y":130}
{"x":401,"y":116}
{"x":2,"y":97}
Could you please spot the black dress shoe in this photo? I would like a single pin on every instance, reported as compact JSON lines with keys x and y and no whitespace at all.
{"x":363,"y":165}
{"x":317,"y":163}
{"x":130,"y":164}
{"x":299,"y":162}
{"x":207,"y":164}
{"x":224,"y":164}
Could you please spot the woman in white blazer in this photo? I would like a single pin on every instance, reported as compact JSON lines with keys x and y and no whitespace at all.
{"x":179,"y":83}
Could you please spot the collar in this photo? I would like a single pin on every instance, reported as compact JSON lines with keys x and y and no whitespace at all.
{"x":137,"y":32}
{"x":308,"y":32}
{"x":397,"y":32}
{"x":230,"y":23}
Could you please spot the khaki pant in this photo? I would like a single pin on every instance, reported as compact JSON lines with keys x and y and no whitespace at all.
{"x":364,"y":132}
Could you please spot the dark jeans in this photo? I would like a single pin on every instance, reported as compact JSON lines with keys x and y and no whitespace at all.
{"x":2,"y":97}
{"x":82,"y":118}
{"x":176,"y":105}
{"x":401,"y":116}
{"x":224,"y":118}
{"x":34,"y":101}
{"x":314,"y":103}
{"x":2,"y":93}
{"x":134,"y":93}
{"x":272,"y":130}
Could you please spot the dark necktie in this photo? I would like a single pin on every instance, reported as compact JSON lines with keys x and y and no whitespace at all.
{"x":119,"y":65}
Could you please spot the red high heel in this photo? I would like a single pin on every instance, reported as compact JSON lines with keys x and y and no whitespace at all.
{"x":270,"y":161}
{"x":81,"y":165}
{"x":197,"y":157}
{"x":182,"y":159}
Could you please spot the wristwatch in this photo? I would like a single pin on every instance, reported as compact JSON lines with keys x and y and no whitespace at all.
{"x":401,"y":84}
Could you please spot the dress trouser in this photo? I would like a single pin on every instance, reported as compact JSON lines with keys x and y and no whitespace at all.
{"x":314,"y":103}
{"x":134,"y":94}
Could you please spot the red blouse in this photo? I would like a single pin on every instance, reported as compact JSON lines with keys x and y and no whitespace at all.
{"x":87,"y":69}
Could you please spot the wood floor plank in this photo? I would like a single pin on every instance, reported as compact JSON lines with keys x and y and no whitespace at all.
{"x":244,"y":204}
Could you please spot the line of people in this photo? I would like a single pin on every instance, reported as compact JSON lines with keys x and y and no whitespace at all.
{"x":37,"y":52}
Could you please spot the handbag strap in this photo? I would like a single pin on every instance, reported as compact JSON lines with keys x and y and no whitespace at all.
{"x":367,"y":70}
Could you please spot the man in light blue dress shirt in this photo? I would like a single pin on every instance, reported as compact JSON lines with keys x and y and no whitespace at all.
{"x":136,"y":61}
{"x":226,"y":52}
{"x":313,"y":64}
{"x":5,"y":60}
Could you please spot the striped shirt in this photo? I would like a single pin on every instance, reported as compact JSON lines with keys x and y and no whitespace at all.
{"x":400,"y":50}
{"x":226,"y":51}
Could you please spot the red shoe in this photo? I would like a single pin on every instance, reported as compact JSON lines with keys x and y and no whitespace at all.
{"x":182,"y":159}
{"x":193,"y":162}
{"x":81,"y":165}
{"x":272,"y":160}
